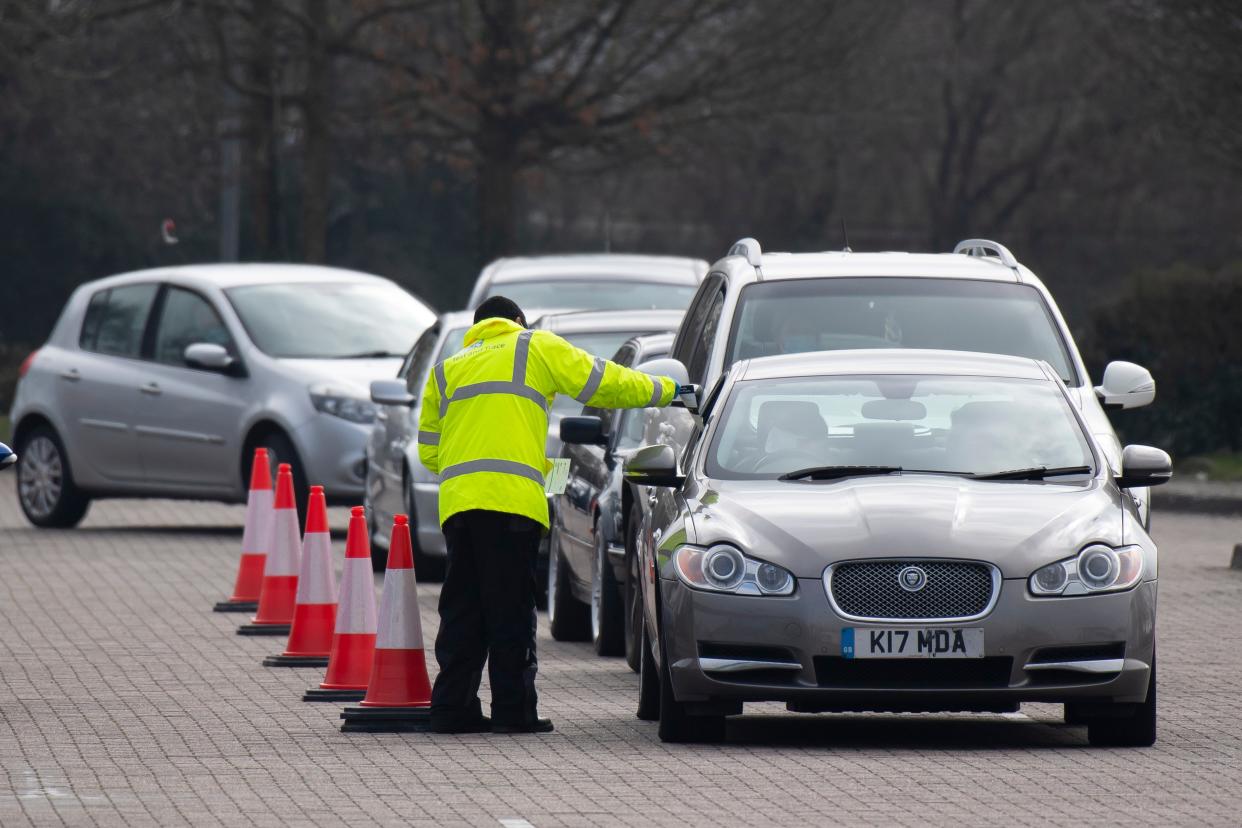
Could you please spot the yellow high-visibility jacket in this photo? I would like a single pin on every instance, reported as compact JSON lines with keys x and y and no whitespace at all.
{"x":484,"y":421}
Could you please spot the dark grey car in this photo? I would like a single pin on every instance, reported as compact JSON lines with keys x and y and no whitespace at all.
{"x":897,"y":530}
{"x":592,"y":587}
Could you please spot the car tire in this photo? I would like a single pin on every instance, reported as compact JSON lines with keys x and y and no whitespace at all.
{"x":1137,"y":728}
{"x":428,"y":568}
{"x":568,"y":618}
{"x":280,"y":449}
{"x":607,"y":616}
{"x":648,"y":679}
{"x":676,"y":725}
{"x":632,"y":590}
{"x":46,"y":491}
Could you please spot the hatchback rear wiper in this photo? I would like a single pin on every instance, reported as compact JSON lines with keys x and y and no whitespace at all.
{"x":1034,"y":473}
{"x":837,"y":472}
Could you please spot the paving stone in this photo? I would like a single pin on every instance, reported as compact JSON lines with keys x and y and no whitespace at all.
{"x":128,"y":702}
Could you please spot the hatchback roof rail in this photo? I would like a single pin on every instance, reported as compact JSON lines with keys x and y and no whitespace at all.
{"x":750,"y":249}
{"x":981,"y":247}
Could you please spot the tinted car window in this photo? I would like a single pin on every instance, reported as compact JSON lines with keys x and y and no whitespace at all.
{"x":121,"y":320}
{"x":691,"y":325}
{"x":597,"y":294}
{"x":703,"y":344}
{"x":958,"y":425}
{"x":95,"y":311}
{"x":186,"y":319}
{"x":418,"y":358}
{"x":800,"y":315}
{"x":451,"y":345}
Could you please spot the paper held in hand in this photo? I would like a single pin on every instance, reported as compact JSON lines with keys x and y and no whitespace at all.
{"x":554,"y":483}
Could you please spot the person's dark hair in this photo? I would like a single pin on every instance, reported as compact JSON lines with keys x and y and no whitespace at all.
{"x":500,"y":306}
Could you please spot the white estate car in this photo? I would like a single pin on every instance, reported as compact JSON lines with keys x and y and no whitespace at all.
{"x":161,"y":383}
{"x":977,"y":298}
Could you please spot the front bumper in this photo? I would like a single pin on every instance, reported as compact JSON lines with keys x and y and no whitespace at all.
{"x":334,"y":454}
{"x":731,"y":648}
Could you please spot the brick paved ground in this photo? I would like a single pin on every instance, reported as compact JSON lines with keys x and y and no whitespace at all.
{"x":124,"y":700}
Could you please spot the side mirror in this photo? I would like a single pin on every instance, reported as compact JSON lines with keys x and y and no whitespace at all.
{"x":1144,"y":466}
{"x":653,"y":466}
{"x":207,"y":355}
{"x":7,"y":456}
{"x":583,"y":431}
{"x":390,"y":392}
{"x":1126,"y":385}
{"x":688,"y":396}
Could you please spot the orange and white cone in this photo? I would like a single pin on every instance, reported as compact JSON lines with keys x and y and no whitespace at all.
{"x":353,"y":644}
{"x":399,"y":692}
{"x":314,"y":610}
{"x":280,"y":571}
{"x":256,"y":537}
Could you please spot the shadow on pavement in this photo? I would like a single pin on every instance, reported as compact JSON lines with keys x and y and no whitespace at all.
{"x":862,"y":733}
{"x":216,"y":531}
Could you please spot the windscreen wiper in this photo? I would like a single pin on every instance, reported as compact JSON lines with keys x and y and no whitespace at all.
{"x":837,"y":472}
{"x":1034,"y":473}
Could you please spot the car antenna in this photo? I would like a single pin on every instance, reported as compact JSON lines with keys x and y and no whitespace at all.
{"x":845,"y":234}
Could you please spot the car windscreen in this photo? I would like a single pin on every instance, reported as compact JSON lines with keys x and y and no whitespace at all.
{"x":330,"y":321}
{"x":949,"y":424}
{"x":597,"y":343}
{"x":832,"y":314}
{"x":597,"y":294}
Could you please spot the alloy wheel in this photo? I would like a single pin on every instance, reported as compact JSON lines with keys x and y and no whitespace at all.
{"x":40,"y":476}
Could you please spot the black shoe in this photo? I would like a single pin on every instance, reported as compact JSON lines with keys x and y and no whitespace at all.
{"x":536,"y":726}
{"x":479,"y":725}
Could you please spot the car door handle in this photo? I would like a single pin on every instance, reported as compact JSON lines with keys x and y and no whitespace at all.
{"x":71,"y":374}
{"x":652,"y":498}
{"x":152,"y":388}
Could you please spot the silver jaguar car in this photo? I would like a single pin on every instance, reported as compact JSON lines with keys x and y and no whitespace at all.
{"x":896,"y":531}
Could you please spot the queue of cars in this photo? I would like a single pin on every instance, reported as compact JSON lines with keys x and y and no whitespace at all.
{"x":895,"y":488}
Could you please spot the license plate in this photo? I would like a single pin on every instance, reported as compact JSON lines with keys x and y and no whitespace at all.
{"x":912,"y":642}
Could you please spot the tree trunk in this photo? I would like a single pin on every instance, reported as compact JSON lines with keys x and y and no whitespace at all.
{"x":317,"y":140}
{"x":496,"y":190}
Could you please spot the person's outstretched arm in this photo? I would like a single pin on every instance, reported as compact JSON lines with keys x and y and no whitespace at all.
{"x":595,"y":381}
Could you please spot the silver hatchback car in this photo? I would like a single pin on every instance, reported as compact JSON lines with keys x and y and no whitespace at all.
{"x":161,"y":383}
{"x":897,"y":531}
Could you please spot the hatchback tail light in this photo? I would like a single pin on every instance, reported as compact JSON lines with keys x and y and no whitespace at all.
{"x":26,"y":363}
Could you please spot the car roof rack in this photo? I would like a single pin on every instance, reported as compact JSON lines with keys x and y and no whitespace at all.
{"x":981,"y":247}
{"x":750,"y":249}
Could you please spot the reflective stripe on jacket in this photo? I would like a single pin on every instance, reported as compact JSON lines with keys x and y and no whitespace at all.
{"x":484,"y":421}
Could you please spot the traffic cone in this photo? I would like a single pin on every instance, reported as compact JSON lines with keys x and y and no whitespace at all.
{"x":398,"y":692}
{"x":280,"y":570}
{"x":256,"y":538}
{"x":353,"y":644}
{"x":314,"y":610}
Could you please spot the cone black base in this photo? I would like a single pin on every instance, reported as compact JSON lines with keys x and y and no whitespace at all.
{"x":264,"y":629}
{"x":319,"y":694}
{"x":236,"y":606}
{"x":295,"y":661}
{"x":386,"y":719}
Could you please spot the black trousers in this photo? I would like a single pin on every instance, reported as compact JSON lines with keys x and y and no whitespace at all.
{"x":487,"y":614}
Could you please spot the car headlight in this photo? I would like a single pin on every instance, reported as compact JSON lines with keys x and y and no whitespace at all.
{"x":723,"y":568}
{"x":338,"y":404}
{"x":1097,"y":568}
